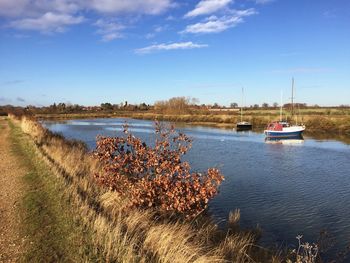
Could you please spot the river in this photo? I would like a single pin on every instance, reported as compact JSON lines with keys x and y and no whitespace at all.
{"x":287,"y":189}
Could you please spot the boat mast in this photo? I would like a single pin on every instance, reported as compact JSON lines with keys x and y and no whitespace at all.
{"x":292,"y":98}
{"x":281,"y":117}
{"x":242,"y":105}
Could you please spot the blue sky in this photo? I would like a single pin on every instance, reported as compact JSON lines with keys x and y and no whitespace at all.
{"x":95,"y":51}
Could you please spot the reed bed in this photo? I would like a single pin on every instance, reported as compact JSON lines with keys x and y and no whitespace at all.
{"x":135,"y":235}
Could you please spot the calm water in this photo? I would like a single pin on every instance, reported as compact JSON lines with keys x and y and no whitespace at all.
{"x":287,"y":189}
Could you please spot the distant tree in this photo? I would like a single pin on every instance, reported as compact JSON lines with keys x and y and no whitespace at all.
{"x":265,"y":105}
{"x":143,"y":106}
{"x":131,"y":107}
{"x":61,"y":107}
{"x":256,"y":106}
{"x":216,"y":105}
{"x":106,"y":106}
{"x":77,"y":108}
{"x":275,"y":104}
{"x":234,"y":105}
{"x":176,"y":105}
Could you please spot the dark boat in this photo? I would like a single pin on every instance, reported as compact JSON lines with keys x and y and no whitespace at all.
{"x":243,"y":125}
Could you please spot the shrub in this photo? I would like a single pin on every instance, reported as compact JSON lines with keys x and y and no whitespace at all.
{"x":156,"y":176}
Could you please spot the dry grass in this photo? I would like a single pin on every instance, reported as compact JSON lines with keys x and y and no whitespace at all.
{"x":121,"y":235}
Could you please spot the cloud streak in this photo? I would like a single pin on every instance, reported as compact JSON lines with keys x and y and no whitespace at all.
{"x":263,"y":2}
{"x":151,"y":7}
{"x":49,"y":22}
{"x":215,"y":24}
{"x":205,"y":7}
{"x":171,"y":46}
{"x":109,"y":29}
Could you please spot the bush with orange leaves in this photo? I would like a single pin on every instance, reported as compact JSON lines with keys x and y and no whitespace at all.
{"x":156,"y":176}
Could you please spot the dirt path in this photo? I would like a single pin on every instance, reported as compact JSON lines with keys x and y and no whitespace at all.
{"x":11,"y":187}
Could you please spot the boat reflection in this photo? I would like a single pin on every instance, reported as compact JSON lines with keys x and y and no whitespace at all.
{"x":290,"y":140}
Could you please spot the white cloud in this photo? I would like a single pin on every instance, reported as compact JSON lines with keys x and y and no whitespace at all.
{"x":35,"y":8}
{"x":214,"y":24}
{"x":205,"y":7}
{"x":55,"y":15}
{"x":12,"y":7}
{"x":262,"y":2}
{"x":171,"y":46}
{"x":47,"y":23}
{"x":111,"y":36}
{"x":109,"y":29}
{"x":157,"y":29}
{"x":152,"y":7}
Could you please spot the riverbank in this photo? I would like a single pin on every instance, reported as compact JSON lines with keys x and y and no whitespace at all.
{"x":126,"y":236}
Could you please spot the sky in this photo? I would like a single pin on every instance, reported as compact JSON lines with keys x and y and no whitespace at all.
{"x":93,"y":51}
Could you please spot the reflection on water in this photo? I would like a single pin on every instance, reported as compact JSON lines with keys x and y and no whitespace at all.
{"x":329,"y":137}
{"x":286,"y":190}
{"x":295,"y":140}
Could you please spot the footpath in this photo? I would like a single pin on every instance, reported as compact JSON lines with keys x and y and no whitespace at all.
{"x":11,"y":189}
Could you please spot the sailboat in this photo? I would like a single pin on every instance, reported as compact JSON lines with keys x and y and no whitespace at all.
{"x":243,"y":125}
{"x":282,"y":129}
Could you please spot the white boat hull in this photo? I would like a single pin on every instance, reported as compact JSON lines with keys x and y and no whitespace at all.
{"x":286,"y":132}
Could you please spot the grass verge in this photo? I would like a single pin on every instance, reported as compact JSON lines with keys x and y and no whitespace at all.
{"x":119,"y":234}
{"x":52,"y":231}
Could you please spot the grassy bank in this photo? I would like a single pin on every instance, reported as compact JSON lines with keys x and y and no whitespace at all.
{"x":317,"y":120}
{"x":118,"y":235}
{"x":52,"y":230}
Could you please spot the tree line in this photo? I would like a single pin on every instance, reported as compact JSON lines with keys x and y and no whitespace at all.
{"x":175,"y":105}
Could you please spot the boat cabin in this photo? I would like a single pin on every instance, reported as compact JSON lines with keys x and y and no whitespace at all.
{"x":277,"y":126}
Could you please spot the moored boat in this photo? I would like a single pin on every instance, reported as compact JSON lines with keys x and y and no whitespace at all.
{"x":282,"y":129}
{"x":243,"y":125}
